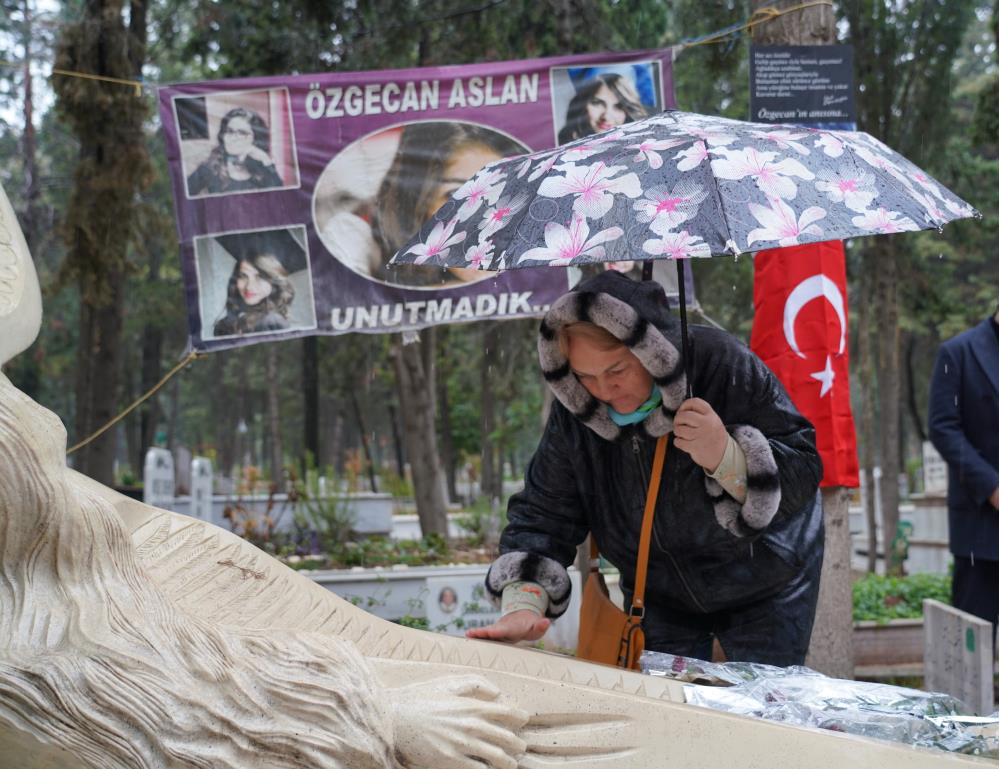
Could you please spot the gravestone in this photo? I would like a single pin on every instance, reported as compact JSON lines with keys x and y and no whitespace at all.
{"x":934,"y":471}
{"x":201,"y":489}
{"x":957,"y":655}
{"x":158,"y":478}
{"x":456,"y":603}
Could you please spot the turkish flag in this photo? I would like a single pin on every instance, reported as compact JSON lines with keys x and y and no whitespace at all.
{"x":800,"y":332}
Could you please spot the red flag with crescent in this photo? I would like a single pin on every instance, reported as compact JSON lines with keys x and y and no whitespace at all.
{"x":800,"y":332}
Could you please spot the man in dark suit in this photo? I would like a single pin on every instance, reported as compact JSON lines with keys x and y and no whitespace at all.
{"x":964,"y":427}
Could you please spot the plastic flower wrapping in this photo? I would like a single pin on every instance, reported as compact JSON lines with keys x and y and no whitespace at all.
{"x":804,"y":697}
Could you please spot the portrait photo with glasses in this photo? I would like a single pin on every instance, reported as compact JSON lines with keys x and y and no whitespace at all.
{"x":236,"y":142}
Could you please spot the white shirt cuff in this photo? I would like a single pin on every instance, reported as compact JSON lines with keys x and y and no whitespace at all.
{"x":731,"y":473}
{"x":524,"y":595}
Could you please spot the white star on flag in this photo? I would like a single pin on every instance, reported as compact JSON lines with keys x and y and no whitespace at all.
{"x":825,"y":376}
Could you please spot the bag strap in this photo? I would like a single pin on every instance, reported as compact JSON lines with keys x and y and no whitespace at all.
{"x":641,"y":565}
{"x":638,"y":598}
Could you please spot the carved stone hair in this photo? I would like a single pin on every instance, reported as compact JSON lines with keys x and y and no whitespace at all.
{"x":126,"y":679}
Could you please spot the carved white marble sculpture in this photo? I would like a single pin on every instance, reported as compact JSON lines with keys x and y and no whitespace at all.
{"x":134,"y":637}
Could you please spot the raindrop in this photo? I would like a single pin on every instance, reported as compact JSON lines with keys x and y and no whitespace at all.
{"x":946,"y":368}
{"x":939,"y":256}
{"x":940,"y":229}
{"x":955,"y":400}
{"x":735,"y":258}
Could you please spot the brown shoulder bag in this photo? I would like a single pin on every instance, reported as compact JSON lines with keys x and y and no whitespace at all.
{"x":607,"y":634}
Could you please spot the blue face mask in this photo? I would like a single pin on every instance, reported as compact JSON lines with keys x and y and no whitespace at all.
{"x":638,"y":414}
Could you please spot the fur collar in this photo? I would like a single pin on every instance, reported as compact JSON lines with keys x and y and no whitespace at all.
{"x":657,"y":353}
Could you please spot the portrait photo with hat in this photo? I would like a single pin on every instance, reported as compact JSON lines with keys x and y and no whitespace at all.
{"x":591,"y":99}
{"x":254,"y":282}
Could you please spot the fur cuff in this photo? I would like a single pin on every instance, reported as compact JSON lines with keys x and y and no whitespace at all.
{"x":530,"y":567}
{"x":762,"y":487}
{"x":655,"y":352}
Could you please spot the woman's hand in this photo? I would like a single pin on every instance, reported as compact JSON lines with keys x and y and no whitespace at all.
{"x":523,"y":625}
{"x":255,"y":153}
{"x":699,"y":431}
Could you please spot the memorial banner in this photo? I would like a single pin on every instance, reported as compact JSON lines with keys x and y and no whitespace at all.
{"x":803,"y":84}
{"x":292,"y":193}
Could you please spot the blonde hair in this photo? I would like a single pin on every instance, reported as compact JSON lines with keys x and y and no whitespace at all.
{"x":596,"y":335}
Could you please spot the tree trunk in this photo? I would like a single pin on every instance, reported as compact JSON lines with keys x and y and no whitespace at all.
{"x":490,"y":482}
{"x":831,"y":647}
{"x":310,"y":399}
{"x":831,"y":650}
{"x":274,"y":419}
{"x":565,"y":16}
{"x":362,"y":430}
{"x":29,"y":216}
{"x":866,"y":379}
{"x":886,"y":308}
{"x":173,"y":415}
{"x":416,"y":393}
{"x":151,"y":370}
{"x":111,"y":169}
{"x":447,"y":439}
{"x":400,"y":460}
{"x":226,"y":406}
{"x":97,"y":375}
{"x":910,"y":388}
{"x":815,"y":25}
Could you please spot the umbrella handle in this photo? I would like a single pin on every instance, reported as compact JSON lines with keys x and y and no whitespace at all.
{"x":686,"y":353}
{"x":681,"y":282}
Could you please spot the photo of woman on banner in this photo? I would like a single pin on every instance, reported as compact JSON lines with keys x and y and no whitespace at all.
{"x":236,"y":142}
{"x":588,"y":100}
{"x":261,"y":279}
{"x":376,"y":193}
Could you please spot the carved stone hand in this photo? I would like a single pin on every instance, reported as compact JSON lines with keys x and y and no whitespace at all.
{"x":455,"y":723}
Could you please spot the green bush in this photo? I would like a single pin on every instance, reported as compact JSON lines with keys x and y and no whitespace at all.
{"x":880,"y":598}
{"x":483,"y":521}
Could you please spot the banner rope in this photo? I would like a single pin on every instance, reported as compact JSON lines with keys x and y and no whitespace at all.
{"x":759,"y":16}
{"x":189,"y":358}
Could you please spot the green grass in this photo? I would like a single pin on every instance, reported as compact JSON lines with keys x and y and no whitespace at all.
{"x":880,"y":599}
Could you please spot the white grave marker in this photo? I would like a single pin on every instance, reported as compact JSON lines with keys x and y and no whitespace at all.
{"x":157,"y":478}
{"x":934,"y":471}
{"x":201,"y":489}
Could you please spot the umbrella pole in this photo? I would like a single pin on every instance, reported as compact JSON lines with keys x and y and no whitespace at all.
{"x":681,"y":284}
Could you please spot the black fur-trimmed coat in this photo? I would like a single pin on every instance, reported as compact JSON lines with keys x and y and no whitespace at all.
{"x":708,"y":552}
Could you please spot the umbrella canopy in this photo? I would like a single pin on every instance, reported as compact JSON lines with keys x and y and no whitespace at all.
{"x":680,"y":185}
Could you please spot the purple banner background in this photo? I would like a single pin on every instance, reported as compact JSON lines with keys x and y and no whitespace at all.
{"x":311,"y":120}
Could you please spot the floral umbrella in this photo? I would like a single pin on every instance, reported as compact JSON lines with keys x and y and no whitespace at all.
{"x":680,"y":185}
